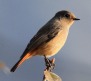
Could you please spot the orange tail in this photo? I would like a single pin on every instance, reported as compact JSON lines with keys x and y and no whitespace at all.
{"x":20,"y":62}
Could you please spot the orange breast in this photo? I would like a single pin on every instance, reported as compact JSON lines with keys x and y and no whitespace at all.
{"x":54,"y":45}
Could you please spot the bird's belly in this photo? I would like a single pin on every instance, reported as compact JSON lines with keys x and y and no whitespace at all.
{"x":54,"y":45}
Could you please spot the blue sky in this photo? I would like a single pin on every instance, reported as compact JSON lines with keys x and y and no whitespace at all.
{"x":21,"y":19}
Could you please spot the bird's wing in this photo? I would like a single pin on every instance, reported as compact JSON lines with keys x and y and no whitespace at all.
{"x":44,"y":35}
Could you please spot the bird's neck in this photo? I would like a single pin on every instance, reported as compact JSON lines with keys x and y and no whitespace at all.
{"x":63,"y":25}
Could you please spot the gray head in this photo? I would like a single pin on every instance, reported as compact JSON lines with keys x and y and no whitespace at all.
{"x":65,"y":17}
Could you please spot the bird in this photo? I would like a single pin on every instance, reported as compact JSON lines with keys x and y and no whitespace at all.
{"x":50,"y":38}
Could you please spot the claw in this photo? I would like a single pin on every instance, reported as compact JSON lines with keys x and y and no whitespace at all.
{"x":49,"y":63}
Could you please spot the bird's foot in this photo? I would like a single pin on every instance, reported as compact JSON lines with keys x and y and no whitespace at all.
{"x":49,"y":63}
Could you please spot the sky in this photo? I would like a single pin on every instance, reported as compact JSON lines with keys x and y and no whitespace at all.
{"x":19,"y":22}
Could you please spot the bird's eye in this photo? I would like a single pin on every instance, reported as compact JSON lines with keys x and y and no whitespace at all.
{"x":67,"y":15}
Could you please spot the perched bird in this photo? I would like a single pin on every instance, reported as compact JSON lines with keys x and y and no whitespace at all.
{"x":50,"y":38}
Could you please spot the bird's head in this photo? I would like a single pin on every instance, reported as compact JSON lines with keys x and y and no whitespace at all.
{"x":65,"y":18}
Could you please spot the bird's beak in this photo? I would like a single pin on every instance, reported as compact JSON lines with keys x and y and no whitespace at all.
{"x":76,"y":19}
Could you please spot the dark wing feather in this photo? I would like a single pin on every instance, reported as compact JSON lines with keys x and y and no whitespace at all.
{"x":45,"y":34}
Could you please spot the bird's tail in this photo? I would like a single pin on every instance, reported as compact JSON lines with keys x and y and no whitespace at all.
{"x":20,"y":62}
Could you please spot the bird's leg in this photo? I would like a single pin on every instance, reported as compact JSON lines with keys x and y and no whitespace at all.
{"x":49,"y":63}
